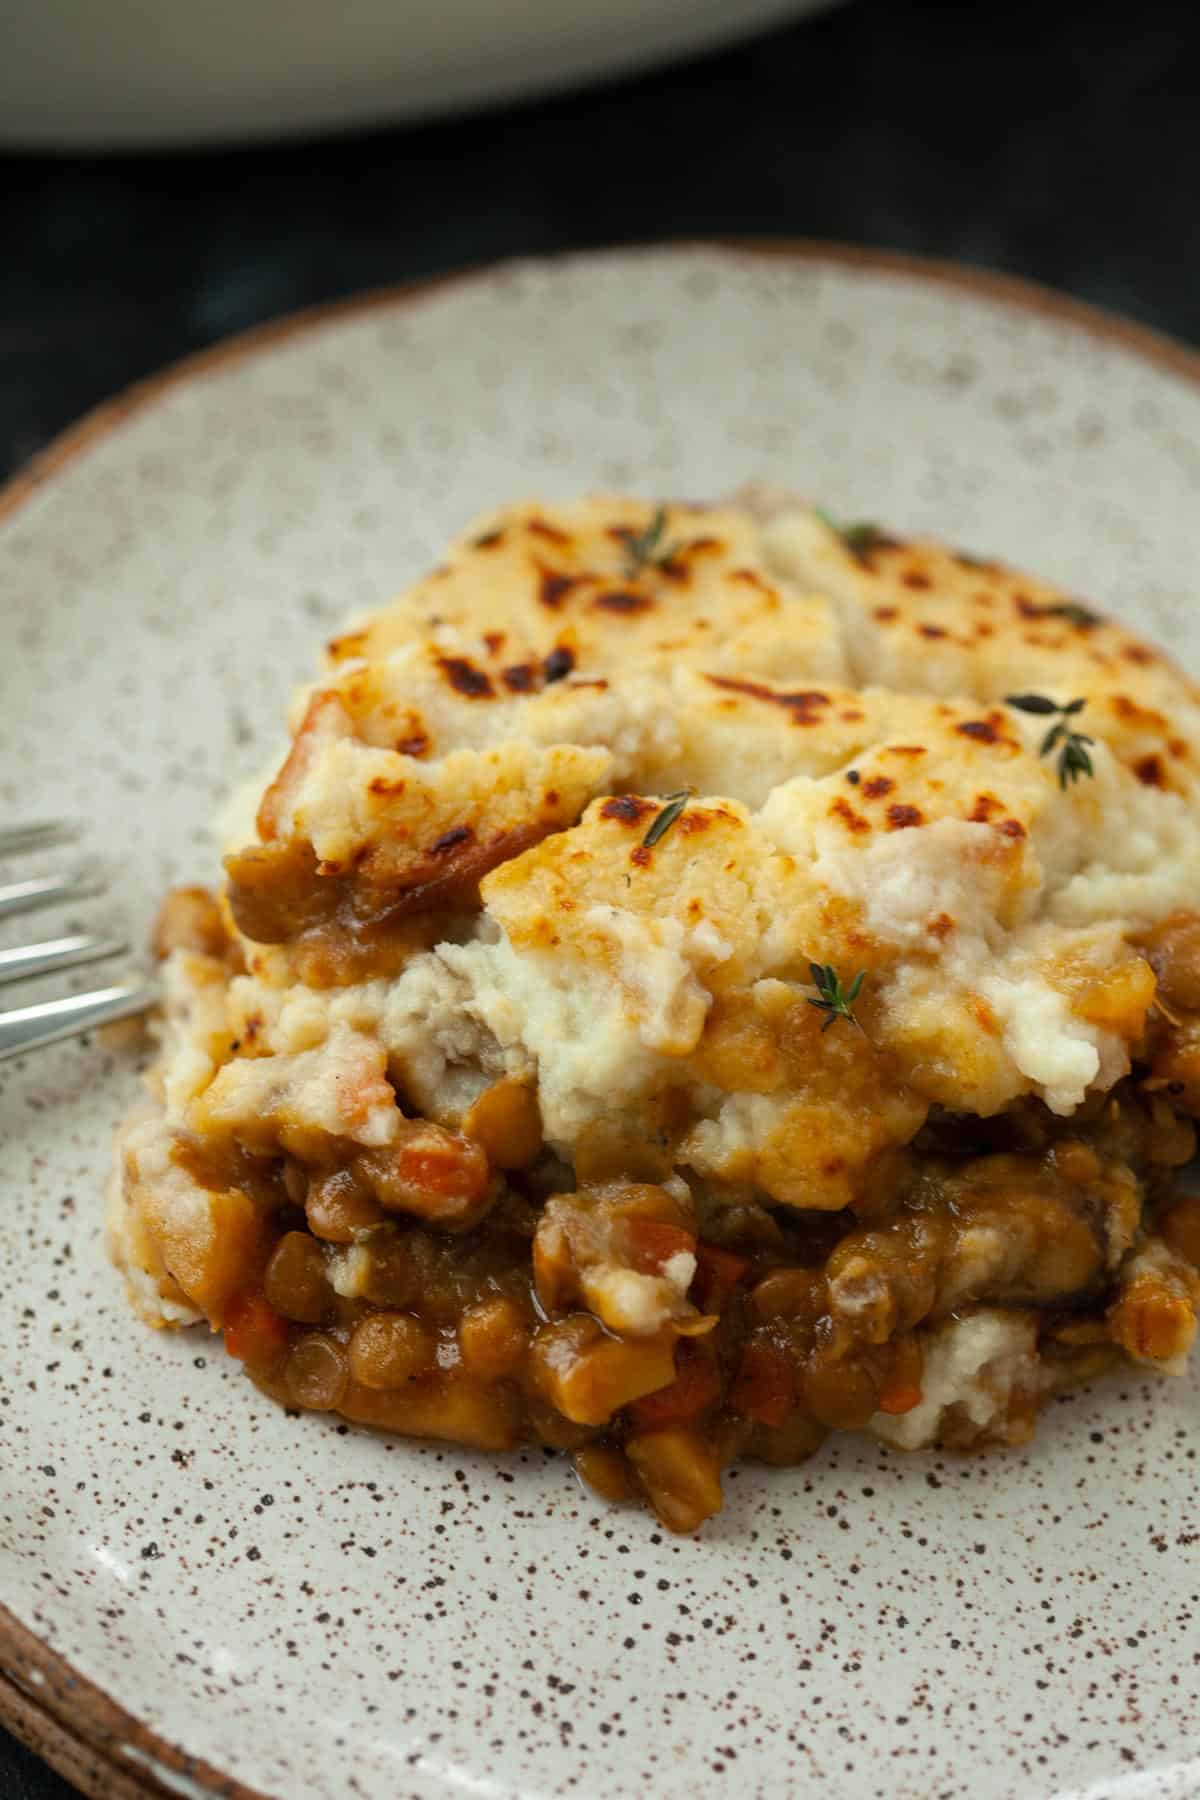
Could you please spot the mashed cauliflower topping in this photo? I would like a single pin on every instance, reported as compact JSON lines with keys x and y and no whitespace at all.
{"x":455,"y":879}
{"x":863,"y":797}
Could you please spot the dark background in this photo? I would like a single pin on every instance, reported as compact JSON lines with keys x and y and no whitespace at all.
{"x":1058,"y":141}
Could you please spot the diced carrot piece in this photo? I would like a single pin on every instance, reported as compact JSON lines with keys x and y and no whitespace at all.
{"x":717,"y":1274}
{"x":439,"y":1175}
{"x":254,"y":1332}
{"x":652,"y":1244}
{"x":765,"y":1386}
{"x":696,"y":1385}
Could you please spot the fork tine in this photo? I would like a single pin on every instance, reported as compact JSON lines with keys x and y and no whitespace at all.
{"x":50,"y":890}
{"x":32,"y":836}
{"x":30,"y":1027}
{"x":56,"y":953}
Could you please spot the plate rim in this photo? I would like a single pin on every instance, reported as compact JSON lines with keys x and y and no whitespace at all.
{"x":63,"y":1716}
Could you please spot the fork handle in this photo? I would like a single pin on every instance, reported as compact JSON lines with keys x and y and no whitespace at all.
{"x":30,"y":1027}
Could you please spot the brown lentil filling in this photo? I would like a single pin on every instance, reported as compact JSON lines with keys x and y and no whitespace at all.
{"x":451,"y":1286}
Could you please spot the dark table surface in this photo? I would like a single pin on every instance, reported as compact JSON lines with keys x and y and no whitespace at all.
{"x":1054,"y":141}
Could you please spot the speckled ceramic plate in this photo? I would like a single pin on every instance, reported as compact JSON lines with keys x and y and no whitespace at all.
{"x":207,"y":1597}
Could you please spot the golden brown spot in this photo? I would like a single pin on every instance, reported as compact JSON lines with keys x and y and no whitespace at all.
{"x":520,"y":678}
{"x":985,"y":806}
{"x":542,"y":528}
{"x":804,"y":704}
{"x":833,"y":1165}
{"x":621,"y":600}
{"x":415,"y":745}
{"x":841,"y":809}
{"x":554,"y":588}
{"x":251,"y":1027}
{"x":916,"y":578}
{"x":752,"y":578}
{"x":489,"y":539}
{"x":379,"y":784}
{"x":640,"y":856}
{"x":1150,"y":772}
{"x":494,"y":641}
{"x":885,"y":614}
{"x":1011,"y":828}
{"x":877,"y":787}
{"x":984,"y":630}
{"x":675,"y":564}
{"x":1178,"y":748}
{"x":941,"y":927}
{"x":559,"y":663}
{"x":628,"y":809}
{"x":696,"y":819}
{"x":933,"y":631}
{"x":351,"y":643}
{"x":904,"y":750}
{"x":1138,"y":653}
{"x":983,"y":731}
{"x":465,"y":678}
{"x":900,"y":817}
{"x":851,"y":717}
{"x":1133,"y":714}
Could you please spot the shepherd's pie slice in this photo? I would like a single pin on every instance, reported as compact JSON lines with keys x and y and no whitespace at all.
{"x":700,"y":977}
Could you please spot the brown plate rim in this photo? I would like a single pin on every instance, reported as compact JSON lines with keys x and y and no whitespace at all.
{"x":64,"y":1717}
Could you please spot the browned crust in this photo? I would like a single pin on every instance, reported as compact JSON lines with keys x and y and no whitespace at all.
{"x":69,"y":1720}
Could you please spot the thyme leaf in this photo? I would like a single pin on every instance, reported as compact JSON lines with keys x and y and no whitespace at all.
{"x":1032,"y":703}
{"x":645,"y":547}
{"x":860,"y":537}
{"x":663,"y":820}
{"x":1072,"y":611}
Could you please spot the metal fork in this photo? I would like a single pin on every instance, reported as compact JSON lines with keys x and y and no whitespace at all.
{"x":25,"y":1028}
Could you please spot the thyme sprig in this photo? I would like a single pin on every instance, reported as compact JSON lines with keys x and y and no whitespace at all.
{"x":645,"y":548}
{"x":1073,"y":758}
{"x":663,"y":820}
{"x":835,"y":1001}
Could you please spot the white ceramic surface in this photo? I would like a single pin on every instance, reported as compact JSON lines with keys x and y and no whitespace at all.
{"x":119,"y":73}
{"x":322,"y":1613}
